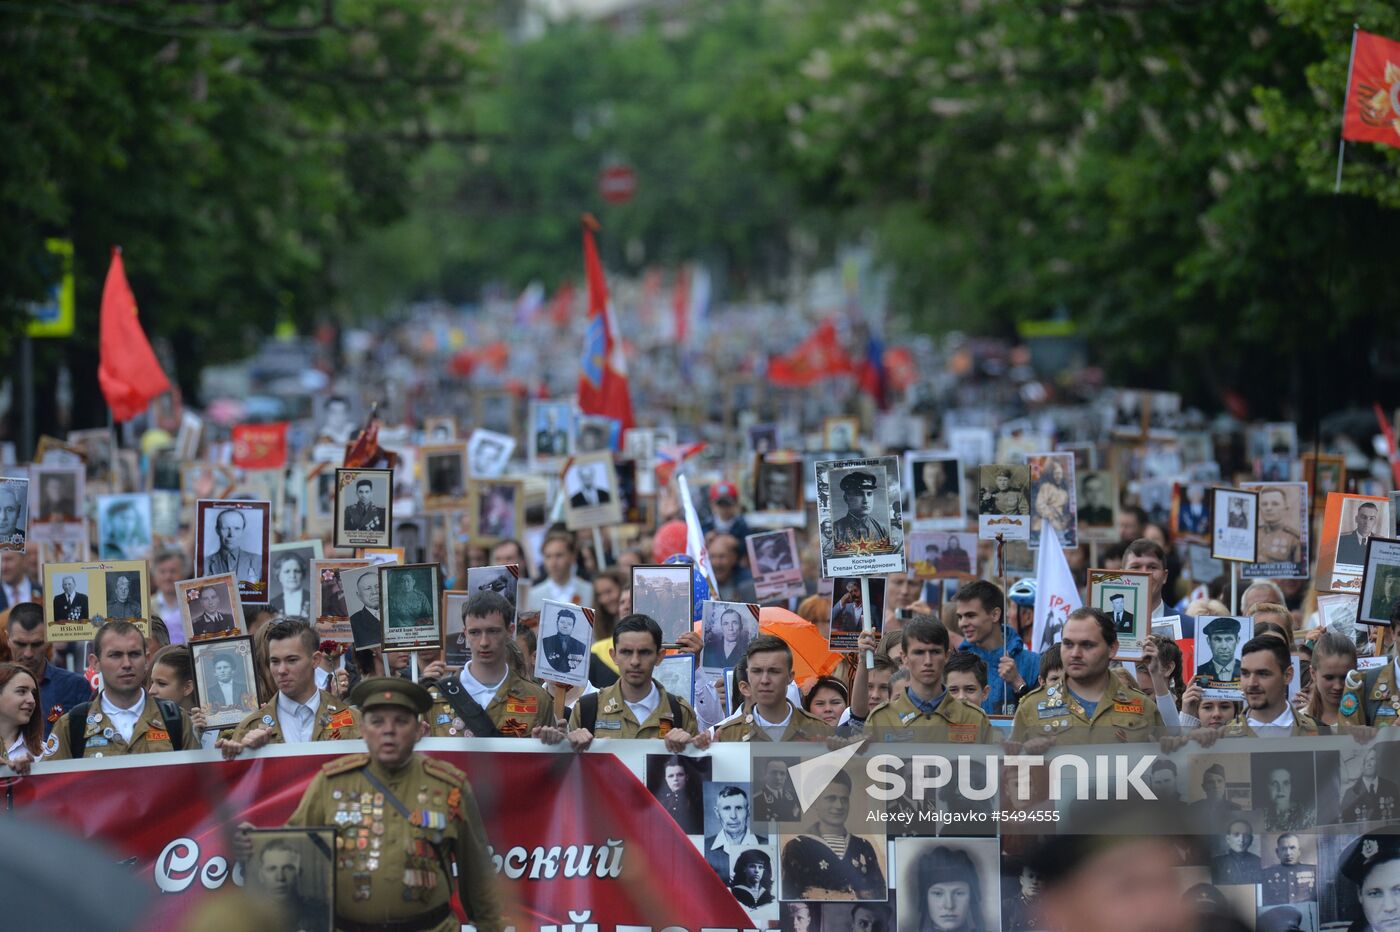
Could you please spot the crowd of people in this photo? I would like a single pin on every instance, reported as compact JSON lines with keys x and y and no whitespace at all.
{"x":950,"y":658}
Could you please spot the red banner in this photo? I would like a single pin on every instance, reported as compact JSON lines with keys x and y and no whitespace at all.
{"x":1372,"y":111}
{"x":569,"y":832}
{"x":260,"y":446}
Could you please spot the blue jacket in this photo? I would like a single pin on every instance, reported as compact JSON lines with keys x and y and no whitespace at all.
{"x":60,"y":691}
{"x":1027,"y":662}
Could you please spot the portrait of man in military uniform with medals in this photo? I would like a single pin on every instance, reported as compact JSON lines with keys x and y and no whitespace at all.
{"x":1290,"y":869}
{"x":410,"y":595}
{"x":859,"y":519}
{"x":937,"y":483}
{"x":1282,"y":533}
{"x":364,"y":507}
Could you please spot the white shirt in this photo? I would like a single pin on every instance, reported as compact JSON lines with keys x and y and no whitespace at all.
{"x":124,"y":720}
{"x":482,"y":694}
{"x":1159,"y":610}
{"x":225,"y":693}
{"x":323,"y":678}
{"x":298,"y":720}
{"x":1285,"y":720}
{"x":19,"y":752}
{"x":24,"y":592}
{"x":774,"y":730}
{"x":573,"y":590}
{"x":734,"y":848}
{"x":647,"y":706}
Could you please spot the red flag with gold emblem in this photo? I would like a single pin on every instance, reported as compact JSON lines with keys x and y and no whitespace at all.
{"x":1373,"y":92}
{"x":260,"y":446}
{"x":818,"y":357}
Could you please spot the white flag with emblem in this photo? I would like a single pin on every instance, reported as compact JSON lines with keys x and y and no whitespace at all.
{"x":1056,"y":595}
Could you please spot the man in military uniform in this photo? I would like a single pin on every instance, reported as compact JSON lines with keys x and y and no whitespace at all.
{"x":858,"y":492}
{"x":1223,"y":635}
{"x":776,"y":801}
{"x":1372,"y":796}
{"x":486,"y":698}
{"x":1004,"y":499}
{"x":1265,"y":671}
{"x":401,"y":819}
{"x":122,"y":718}
{"x":773,"y":717}
{"x":1092,"y":706}
{"x":636,"y":706}
{"x":937,"y":500}
{"x":210,"y":619}
{"x":827,"y":862}
{"x":1213,"y":806}
{"x":122,"y":602}
{"x":231,"y":557}
{"x":926,"y":711}
{"x":1289,"y":881}
{"x":1238,"y":865}
{"x":410,"y":607}
{"x":1278,"y":543}
{"x":299,"y":712}
{"x":563,"y":651}
{"x":363,"y":514}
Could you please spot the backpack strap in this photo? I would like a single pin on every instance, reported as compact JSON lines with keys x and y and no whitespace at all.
{"x":77,"y":729}
{"x":676,"y":715}
{"x":588,"y":712}
{"x":467,"y":708}
{"x":174,"y":724}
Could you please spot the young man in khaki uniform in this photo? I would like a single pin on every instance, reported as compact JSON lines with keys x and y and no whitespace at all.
{"x":404,"y":817}
{"x":299,"y":711}
{"x":1265,"y":671}
{"x":926,"y":711}
{"x":1092,"y":706}
{"x":122,"y":719}
{"x":772,"y":717}
{"x":487,"y":699}
{"x":636,"y":706}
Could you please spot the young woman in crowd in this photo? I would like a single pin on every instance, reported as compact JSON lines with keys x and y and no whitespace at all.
{"x":1332,"y":657}
{"x":21,"y":725}
{"x":827,"y":700}
{"x":172,"y":677}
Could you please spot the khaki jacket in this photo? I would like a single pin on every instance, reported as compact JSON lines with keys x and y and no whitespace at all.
{"x":103,"y":739}
{"x":803,"y":726}
{"x":615,"y":719}
{"x":518,"y":708}
{"x":334,"y":721}
{"x":1123,"y":714}
{"x":953,"y":721}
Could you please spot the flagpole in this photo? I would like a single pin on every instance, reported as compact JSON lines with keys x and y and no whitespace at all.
{"x":867,"y":619}
{"x":1342,"y":142}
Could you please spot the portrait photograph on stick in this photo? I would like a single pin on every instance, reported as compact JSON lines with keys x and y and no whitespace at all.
{"x":412,"y":606}
{"x":363,"y":507}
{"x":224,"y":681}
{"x":860,"y":524}
{"x":210,"y":607}
{"x":233,"y":536}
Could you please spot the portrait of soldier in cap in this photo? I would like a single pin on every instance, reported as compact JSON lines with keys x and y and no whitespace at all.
{"x":858,"y":489}
{"x":1004,"y":495}
{"x":1372,"y":863}
{"x":1222,"y":637}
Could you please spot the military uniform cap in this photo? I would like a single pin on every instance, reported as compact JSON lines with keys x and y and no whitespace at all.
{"x":391,"y":690}
{"x":1223,"y":626}
{"x":1367,"y":852}
{"x":1116,"y":597}
{"x":858,"y":481}
{"x":1216,"y":770}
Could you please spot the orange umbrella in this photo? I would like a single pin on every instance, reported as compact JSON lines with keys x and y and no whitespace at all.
{"x":811,"y":656}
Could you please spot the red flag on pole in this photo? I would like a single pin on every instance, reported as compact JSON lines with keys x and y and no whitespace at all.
{"x":127,"y":370}
{"x":818,"y":357}
{"x":602,"y":380}
{"x":1372,"y":111}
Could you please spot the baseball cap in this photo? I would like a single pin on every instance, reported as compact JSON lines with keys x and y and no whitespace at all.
{"x":724,"y":490}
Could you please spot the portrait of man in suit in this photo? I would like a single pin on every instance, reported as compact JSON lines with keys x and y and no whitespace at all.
{"x":1122,"y":618}
{"x":734,"y":834}
{"x":215,"y":615}
{"x":1351,"y":546}
{"x":226,"y":686}
{"x":365,"y":623}
{"x":70,"y":604}
{"x":231,"y":556}
{"x":562,"y":651}
{"x":590,"y":493}
{"x":1222,"y":635}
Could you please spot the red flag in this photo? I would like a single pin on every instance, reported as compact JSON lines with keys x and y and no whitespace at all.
{"x":260,"y":446}
{"x":1391,"y":452}
{"x":364,"y":451}
{"x":818,"y":357}
{"x":562,"y":305}
{"x":680,"y":303}
{"x":127,"y":369}
{"x":602,"y":380}
{"x":1372,"y":111}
